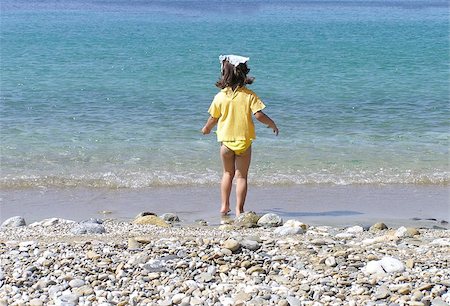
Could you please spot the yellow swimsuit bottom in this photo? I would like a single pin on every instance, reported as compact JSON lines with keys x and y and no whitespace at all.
{"x":238,"y":146}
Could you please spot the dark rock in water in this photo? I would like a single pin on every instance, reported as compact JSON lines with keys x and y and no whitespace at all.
{"x":88,"y":228}
{"x":170,"y":217}
{"x":416,"y":219}
{"x":14,"y":222}
{"x":145,"y":213}
{"x":444,"y":222}
{"x":439,"y":227}
{"x":431,"y":219}
{"x":201,"y":222}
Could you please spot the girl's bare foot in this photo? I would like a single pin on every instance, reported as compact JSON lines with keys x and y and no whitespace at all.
{"x":238,"y":212}
{"x":224,"y":212}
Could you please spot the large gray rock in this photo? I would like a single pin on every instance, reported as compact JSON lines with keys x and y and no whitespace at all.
{"x":88,"y":227}
{"x":270,"y":220}
{"x":14,"y":222}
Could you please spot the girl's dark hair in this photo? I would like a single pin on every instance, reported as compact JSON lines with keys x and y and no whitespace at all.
{"x":234,"y":76}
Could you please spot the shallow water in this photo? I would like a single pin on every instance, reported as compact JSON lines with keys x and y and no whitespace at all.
{"x":114,"y":94}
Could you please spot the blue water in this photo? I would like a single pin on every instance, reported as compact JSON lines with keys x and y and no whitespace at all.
{"x":114,"y":93}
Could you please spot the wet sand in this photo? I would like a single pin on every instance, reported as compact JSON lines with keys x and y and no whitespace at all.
{"x":395,"y":205}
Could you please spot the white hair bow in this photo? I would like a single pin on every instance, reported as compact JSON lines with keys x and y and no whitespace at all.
{"x":235,"y":60}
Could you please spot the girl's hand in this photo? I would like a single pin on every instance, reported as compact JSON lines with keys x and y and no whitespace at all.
{"x":275,"y":130}
{"x":205,"y":130}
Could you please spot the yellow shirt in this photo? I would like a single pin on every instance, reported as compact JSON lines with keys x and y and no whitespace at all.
{"x":234,"y":109}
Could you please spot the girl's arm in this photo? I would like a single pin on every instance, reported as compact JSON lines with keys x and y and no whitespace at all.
{"x":209,"y":125}
{"x":263,"y":118}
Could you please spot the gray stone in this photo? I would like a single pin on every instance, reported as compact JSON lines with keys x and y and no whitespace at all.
{"x":293,"y":301}
{"x":438,"y":302}
{"x":170,"y":217}
{"x":36,"y":302}
{"x":88,"y":228}
{"x":67,"y":299}
{"x":382,"y":293}
{"x":92,"y":220}
{"x":284,"y":231}
{"x":250,"y":244}
{"x":75,"y":283}
{"x":270,"y":220}
{"x":16,"y":221}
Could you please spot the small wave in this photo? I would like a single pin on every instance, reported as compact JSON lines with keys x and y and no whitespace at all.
{"x":166,"y":178}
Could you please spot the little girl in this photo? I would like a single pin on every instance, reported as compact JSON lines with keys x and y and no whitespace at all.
{"x":232,"y":110}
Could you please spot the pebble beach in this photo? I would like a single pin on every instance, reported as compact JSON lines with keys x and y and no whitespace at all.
{"x":252,"y":260}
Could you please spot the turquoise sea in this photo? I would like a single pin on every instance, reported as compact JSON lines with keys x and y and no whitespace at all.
{"x":114,"y":93}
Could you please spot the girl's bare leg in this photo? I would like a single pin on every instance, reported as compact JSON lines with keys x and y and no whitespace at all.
{"x":228,"y":160}
{"x":242,"y":163}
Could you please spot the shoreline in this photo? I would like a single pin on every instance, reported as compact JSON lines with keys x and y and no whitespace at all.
{"x":395,"y":205}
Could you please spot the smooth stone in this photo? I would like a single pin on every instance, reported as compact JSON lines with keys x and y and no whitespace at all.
{"x":380,"y":226}
{"x":285,"y":231}
{"x":133,"y":244}
{"x":88,"y":228}
{"x":231,"y":245}
{"x":92,"y":255}
{"x":75,"y":283}
{"x":270,"y":220}
{"x":293,"y":301}
{"x":67,"y":299}
{"x":177,"y":298}
{"x":151,"y":220}
{"x":242,"y":296}
{"x":391,"y":265}
{"x":205,"y":277}
{"x":403,"y":232}
{"x":426,"y":286}
{"x":331,"y":261}
{"x":170,"y":217}
{"x":36,"y":302}
{"x":382,"y":293}
{"x":345,"y":236}
{"x":16,"y":221}
{"x":92,"y":220}
{"x":283,"y":303}
{"x":409,"y":263}
{"x":247,"y":219}
{"x":355,"y":229}
{"x":296,"y":224}
{"x":438,"y":302}
{"x":374,"y":267}
{"x":445,"y":242}
{"x":254,"y":269}
{"x":250,"y":244}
